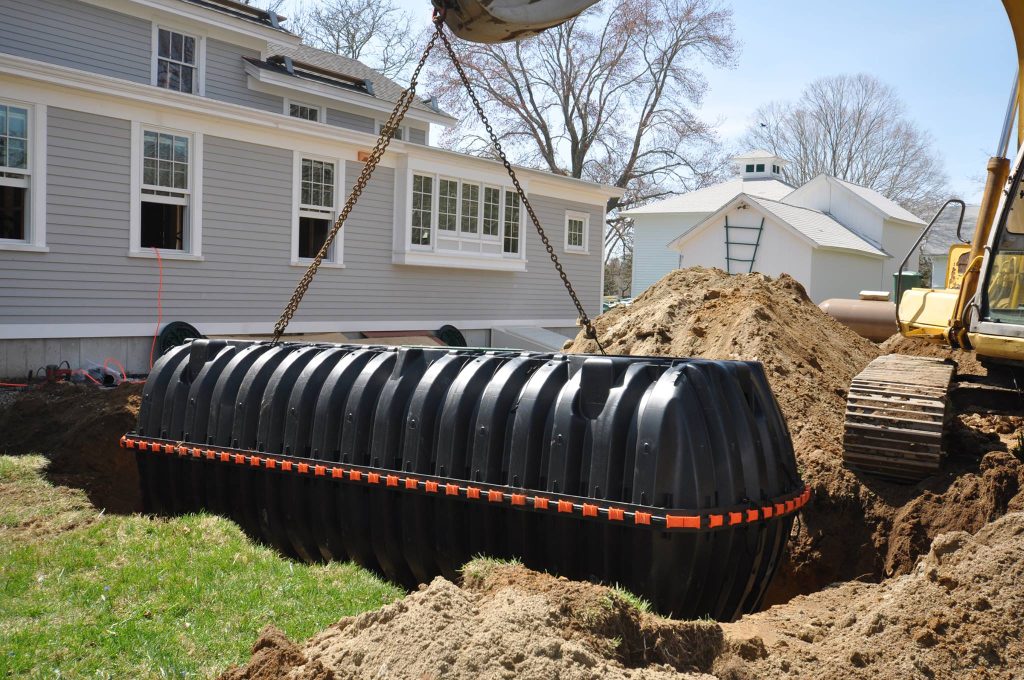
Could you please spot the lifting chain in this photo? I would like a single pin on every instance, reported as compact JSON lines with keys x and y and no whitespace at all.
{"x":401,"y":107}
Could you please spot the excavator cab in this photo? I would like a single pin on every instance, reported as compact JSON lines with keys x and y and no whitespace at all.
{"x":1002,"y":294}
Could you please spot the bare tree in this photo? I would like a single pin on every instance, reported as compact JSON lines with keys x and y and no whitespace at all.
{"x":378,"y":33}
{"x":854,"y":128}
{"x":608,"y":96}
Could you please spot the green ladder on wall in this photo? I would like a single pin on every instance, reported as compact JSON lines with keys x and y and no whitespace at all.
{"x":730,"y":244}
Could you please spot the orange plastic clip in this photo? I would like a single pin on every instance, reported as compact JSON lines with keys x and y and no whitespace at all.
{"x":735,"y":518}
{"x":767,"y":511}
{"x":354,"y":475}
{"x":410,"y":483}
{"x":752,"y":515}
{"x":286,"y":465}
{"x":319,"y":470}
{"x":451,"y":489}
{"x":431,"y":486}
{"x":616,"y":514}
{"x":270,"y":463}
{"x":472,"y":492}
{"x":564,"y":506}
{"x":682,"y":521}
{"x":589,"y":510}
{"x":518,"y":499}
{"x":540,"y":503}
{"x":715,"y":521}
{"x":337,"y":473}
{"x":373,"y":478}
{"x":642,"y":517}
{"x":495,"y":497}
{"x":391,"y":480}
{"x":255,"y":461}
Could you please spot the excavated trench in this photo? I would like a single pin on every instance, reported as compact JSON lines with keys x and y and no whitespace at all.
{"x":875,"y":536}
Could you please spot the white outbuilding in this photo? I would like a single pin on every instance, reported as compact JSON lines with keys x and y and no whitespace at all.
{"x":835,"y":237}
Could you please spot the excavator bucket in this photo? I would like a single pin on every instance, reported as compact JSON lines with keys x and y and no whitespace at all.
{"x":674,"y":478}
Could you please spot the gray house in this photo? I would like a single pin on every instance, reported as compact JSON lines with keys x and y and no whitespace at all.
{"x":195,"y":148}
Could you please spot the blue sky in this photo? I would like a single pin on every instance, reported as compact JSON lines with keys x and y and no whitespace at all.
{"x":951,"y":62}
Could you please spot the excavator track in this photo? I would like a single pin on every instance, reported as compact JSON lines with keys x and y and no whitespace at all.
{"x":896,"y":412}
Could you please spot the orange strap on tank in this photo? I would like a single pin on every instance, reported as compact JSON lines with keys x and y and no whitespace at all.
{"x":521,"y":499}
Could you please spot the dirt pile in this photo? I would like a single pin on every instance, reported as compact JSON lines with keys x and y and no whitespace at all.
{"x":956,"y":615}
{"x":809,"y":357}
{"x":505,"y":622}
{"x":856,"y":526}
{"x":77,"y":428}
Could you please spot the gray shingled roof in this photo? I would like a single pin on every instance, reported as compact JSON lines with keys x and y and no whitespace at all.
{"x":817,"y":226}
{"x":889,"y":207}
{"x":383,"y":87}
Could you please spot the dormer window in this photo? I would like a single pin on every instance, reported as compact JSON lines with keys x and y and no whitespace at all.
{"x":750,"y":167}
{"x":760,"y":167}
{"x":776,"y":169}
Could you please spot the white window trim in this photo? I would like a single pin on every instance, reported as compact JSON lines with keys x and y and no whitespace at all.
{"x":337,"y":259}
{"x":321,"y":110}
{"x":200,"y":87}
{"x":585,"y":218}
{"x":195,"y":205}
{"x":35,"y":222}
{"x":412,"y":254}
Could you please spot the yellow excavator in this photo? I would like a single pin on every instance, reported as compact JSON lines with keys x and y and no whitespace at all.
{"x":898,"y":407}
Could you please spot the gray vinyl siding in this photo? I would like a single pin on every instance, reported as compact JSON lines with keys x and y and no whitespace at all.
{"x":417,"y":136}
{"x":78,"y":35}
{"x":245,"y":276}
{"x":226,"y":79}
{"x":85,"y":278}
{"x":352,"y":121}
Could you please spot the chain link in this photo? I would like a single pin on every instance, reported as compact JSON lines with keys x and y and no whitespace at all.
{"x":401,"y":107}
{"x":397,"y":114}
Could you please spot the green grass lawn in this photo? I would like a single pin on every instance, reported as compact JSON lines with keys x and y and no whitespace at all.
{"x":84,"y":594}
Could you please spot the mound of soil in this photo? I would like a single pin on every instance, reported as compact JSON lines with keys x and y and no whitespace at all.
{"x":956,"y":615}
{"x":505,"y":622}
{"x":77,"y":428}
{"x":856,"y":526}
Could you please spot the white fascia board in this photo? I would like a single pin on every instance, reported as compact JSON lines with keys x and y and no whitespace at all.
{"x":854,"y":251}
{"x":265,"y":80}
{"x":212,"y":21}
{"x":31,"y":331}
{"x":76,"y":88}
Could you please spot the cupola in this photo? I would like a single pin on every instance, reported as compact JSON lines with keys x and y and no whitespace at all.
{"x":760,"y":164}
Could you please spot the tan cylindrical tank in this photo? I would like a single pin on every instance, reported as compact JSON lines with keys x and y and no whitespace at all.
{"x":872,"y":319}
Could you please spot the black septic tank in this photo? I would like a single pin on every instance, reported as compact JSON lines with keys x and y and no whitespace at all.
{"x":674,"y":478}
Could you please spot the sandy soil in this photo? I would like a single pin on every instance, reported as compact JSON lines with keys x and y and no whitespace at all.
{"x":505,"y":622}
{"x":956,"y":615}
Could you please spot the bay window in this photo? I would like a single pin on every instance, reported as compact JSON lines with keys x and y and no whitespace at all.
{"x":463,"y":223}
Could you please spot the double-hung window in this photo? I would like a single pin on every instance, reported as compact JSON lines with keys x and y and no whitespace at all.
{"x":15,"y":175}
{"x":177,"y":61}
{"x":318,"y":193}
{"x":577,"y":226}
{"x":165,"y":193}
{"x":464,"y":222}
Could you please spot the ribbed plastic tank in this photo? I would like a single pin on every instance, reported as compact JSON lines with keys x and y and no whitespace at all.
{"x":674,"y":478}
